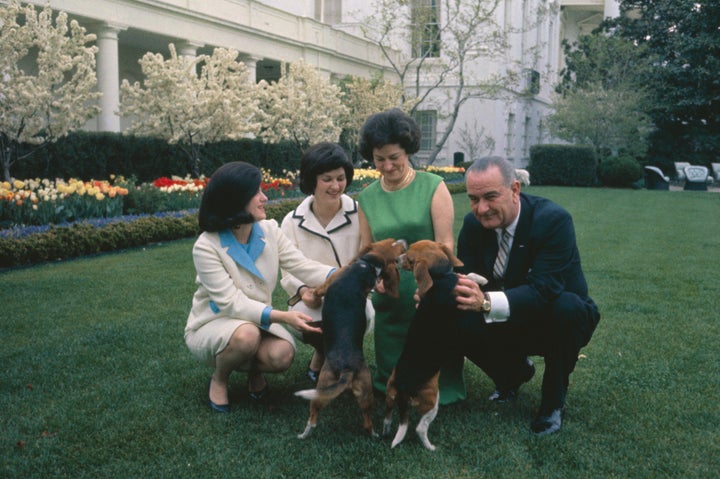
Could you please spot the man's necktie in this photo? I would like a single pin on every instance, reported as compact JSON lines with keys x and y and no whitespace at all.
{"x":501,"y":260}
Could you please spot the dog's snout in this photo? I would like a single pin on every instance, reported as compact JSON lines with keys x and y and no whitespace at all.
{"x":400,"y":260}
{"x":401,"y":242}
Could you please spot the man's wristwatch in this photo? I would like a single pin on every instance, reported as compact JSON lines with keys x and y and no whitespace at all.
{"x":485,"y":306}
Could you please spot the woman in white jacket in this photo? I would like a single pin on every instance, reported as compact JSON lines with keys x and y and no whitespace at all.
{"x":232,"y":325}
{"x":325,"y":227}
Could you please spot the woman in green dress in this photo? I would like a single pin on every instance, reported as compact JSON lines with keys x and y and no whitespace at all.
{"x":411,"y":205}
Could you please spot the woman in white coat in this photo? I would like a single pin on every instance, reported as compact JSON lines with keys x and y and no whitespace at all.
{"x":325,"y":227}
{"x":232,"y":325}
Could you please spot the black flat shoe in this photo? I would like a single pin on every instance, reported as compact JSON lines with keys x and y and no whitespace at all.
{"x":547,"y":423}
{"x":313,"y":375}
{"x":219,"y":408}
{"x":259,"y":395}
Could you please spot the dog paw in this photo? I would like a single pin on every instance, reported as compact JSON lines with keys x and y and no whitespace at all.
{"x":481,"y":280}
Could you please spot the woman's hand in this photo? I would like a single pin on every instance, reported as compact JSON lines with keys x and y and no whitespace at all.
{"x":296,"y":319}
{"x":308,"y":297}
{"x":469,"y":295}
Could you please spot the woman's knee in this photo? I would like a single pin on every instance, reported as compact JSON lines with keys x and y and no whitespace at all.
{"x":245,"y":338}
{"x":279,"y":355}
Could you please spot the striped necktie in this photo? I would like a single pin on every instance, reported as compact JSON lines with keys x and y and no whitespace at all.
{"x":501,"y":260}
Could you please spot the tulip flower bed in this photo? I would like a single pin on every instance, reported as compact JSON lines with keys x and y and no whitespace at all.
{"x":43,"y":220}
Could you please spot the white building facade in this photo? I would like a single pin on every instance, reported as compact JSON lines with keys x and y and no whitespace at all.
{"x":326,"y":34}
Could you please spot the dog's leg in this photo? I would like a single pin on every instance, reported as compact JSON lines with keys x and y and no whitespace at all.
{"x":312,"y":421}
{"x":363,"y":391}
{"x":424,"y":424}
{"x":390,"y":396}
{"x":404,"y":412}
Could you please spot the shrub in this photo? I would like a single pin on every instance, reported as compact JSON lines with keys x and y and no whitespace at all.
{"x":82,"y":238}
{"x":620,"y":171}
{"x":564,"y":165}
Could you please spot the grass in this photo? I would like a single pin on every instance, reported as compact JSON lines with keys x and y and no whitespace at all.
{"x":96,"y":380}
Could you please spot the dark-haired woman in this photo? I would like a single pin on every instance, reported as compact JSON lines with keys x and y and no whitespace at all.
{"x":412,"y":205}
{"x":324,"y":227}
{"x":232,"y":325}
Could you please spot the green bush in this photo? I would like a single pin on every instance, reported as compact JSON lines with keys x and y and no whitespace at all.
{"x":620,"y":171}
{"x":82,"y":239}
{"x":563,"y":165}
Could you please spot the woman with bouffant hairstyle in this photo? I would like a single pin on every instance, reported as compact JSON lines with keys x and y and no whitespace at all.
{"x":408,"y":204}
{"x":232,"y":325}
{"x":324,"y":226}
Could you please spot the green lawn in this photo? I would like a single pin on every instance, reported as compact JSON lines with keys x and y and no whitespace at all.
{"x":96,"y":380}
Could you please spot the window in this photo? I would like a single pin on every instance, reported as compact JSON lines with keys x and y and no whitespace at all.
{"x":427,"y":121}
{"x":328,"y":11}
{"x":426,"y":29}
{"x":532,"y":81}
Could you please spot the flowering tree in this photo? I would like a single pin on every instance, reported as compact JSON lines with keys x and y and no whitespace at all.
{"x":47,"y":77}
{"x":302,"y":106}
{"x":188,"y":108}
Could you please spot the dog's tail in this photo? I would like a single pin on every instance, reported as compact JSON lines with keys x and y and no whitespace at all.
{"x":331,"y":391}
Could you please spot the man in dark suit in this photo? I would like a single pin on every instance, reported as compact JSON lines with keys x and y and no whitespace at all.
{"x":536,"y":301}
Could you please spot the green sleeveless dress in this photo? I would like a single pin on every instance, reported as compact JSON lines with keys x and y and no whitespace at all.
{"x":404,"y":214}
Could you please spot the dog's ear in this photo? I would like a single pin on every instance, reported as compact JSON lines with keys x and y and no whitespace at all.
{"x":451,"y":256}
{"x":422,"y":277}
{"x":361,"y":253}
{"x":391,"y":279}
{"x":321,"y":290}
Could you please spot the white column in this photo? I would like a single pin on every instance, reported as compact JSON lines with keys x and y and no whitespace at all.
{"x":612,"y":9}
{"x":188,"y":49}
{"x":108,"y":77}
{"x":250,"y":62}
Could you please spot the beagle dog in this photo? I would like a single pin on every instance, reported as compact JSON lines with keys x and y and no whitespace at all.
{"x":431,"y":339}
{"x":343,"y":324}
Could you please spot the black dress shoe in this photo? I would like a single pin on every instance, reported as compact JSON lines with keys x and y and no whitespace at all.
{"x":547,"y":423}
{"x":503,"y":395}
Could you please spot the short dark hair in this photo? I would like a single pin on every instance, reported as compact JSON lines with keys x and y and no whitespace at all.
{"x":389,"y":127}
{"x":507,"y":170}
{"x":226,"y":196}
{"x":321,"y":158}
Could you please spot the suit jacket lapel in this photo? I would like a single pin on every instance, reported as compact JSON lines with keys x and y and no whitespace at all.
{"x":519,"y":250}
{"x":489,"y":251}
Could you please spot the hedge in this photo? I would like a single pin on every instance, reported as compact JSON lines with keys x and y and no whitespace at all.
{"x":563,"y":165}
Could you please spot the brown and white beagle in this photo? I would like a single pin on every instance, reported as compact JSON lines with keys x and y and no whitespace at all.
{"x":432,"y":338}
{"x":343,"y":325}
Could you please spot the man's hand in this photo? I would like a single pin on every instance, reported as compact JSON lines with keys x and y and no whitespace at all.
{"x":469,"y":295}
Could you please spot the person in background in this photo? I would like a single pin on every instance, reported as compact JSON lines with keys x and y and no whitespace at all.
{"x":410,"y":205}
{"x":232,"y":325}
{"x":325,"y":227}
{"x":536,"y":301}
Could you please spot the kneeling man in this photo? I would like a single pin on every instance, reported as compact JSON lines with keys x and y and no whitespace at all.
{"x":536,"y":301}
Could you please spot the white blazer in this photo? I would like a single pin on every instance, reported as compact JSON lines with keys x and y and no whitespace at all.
{"x":335,"y":245}
{"x":232,"y":290}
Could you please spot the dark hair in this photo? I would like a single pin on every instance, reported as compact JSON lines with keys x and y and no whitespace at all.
{"x":507,"y":170}
{"x":319,"y":159}
{"x":389,"y":128}
{"x":226,"y":196}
